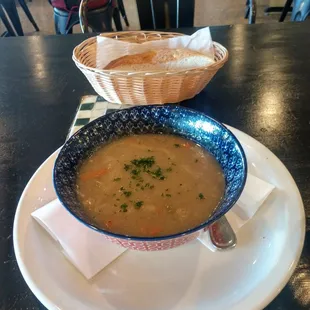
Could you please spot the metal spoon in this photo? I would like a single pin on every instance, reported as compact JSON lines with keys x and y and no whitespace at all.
{"x":222,"y":235}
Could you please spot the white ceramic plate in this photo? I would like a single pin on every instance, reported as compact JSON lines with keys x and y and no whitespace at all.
{"x":188,"y":277}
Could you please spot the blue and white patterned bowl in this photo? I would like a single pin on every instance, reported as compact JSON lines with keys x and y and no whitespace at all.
{"x":168,"y":119}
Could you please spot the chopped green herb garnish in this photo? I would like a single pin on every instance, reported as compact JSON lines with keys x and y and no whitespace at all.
{"x":135,"y":172}
{"x":124,"y":207}
{"x":117,"y":179}
{"x":149,"y":150}
{"x":127,"y":167}
{"x":173,"y":164}
{"x":157,"y":174}
{"x":169,"y":169}
{"x":168,"y":195}
{"x":142,"y":188}
{"x":137,"y":178}
{"x":117,"y":199}
{"x":127,"y":193}
{"x":177,"y":145}
{"x":138,"y":204}
{"x":144,"y":162}
{"x":201,"y":196}
{"x":148,"y":185}
{"x":196,"y":161}
{"x":138,"y":184}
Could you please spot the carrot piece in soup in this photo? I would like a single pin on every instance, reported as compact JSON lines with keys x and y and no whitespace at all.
{"x":93,"y":174}
{"x":109,"y":224}
{"x":155,"y":230}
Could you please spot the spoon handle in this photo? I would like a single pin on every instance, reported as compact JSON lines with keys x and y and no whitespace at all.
{"x":222,"y":235}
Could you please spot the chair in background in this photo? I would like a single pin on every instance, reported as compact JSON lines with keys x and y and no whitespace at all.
{"x":161,"y":14}
{"x":280,"y":9}
{"x":97,"y":13}
{"x":99,"y":22}
{"x":11,"y":10}
{"x":287,"y":8}
{"x":122,"y":11}
{"x":301,"y":10}
{"x":9,"y":30}
{"x":250,"y":11}
{"x":65,"y":20}
{"x":25,"y":8}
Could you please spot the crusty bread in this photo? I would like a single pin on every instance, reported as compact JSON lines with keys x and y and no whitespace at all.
{"x":161,"y":59}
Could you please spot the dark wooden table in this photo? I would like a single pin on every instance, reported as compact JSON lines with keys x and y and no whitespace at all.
{"x":264,"y":90}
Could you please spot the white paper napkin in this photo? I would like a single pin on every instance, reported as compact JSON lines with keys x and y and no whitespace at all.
{"x":90,"y":252}
{"x":85,"y":248}
{"x":254,"y":194}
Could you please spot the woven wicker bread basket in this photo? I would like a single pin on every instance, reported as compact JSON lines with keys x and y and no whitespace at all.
{"x":141,"y":88}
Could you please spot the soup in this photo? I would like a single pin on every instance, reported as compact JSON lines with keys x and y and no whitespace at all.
{"x":150,"y":185}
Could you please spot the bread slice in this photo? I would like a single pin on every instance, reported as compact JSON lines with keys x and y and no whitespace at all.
{"x":161,"y":59}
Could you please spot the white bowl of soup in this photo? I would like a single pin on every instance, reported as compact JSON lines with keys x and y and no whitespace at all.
{"x":150,"y":177}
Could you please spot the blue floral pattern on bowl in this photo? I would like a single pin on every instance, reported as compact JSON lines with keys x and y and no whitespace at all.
{"x":158,"y":119}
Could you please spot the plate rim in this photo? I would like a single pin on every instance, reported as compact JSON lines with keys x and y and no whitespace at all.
{"x":271,"y":296}
{"x":22,"y":267}
{"x":49,"y":304}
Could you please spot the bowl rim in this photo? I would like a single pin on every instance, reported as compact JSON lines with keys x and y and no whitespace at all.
{"x":201,"y":226}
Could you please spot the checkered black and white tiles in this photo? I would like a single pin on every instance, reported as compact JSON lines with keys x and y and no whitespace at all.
{"x":92,"y":107}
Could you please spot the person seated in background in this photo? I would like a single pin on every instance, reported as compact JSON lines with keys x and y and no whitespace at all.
{"x":66,"y":12}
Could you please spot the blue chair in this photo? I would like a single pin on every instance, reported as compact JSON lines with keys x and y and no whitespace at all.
{"x":301,"y":10}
